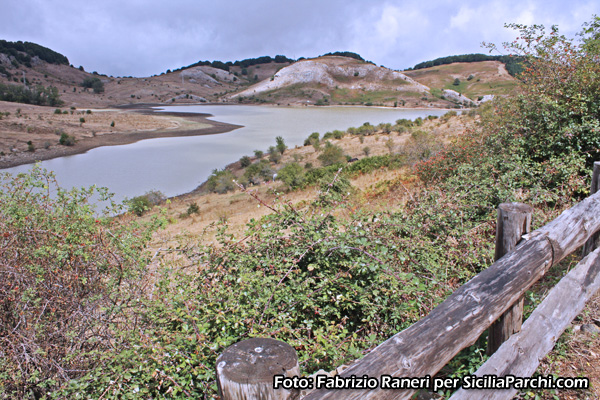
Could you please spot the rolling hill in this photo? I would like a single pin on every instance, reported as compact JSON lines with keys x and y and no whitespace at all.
{"x":333,"y":79}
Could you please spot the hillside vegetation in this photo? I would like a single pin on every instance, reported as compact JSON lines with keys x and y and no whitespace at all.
{"x":27,"y":69}
{"x":514,"y":64}
{"x":332,"y":276}
{"x":474,"y":80}
{"x":337,"y":80}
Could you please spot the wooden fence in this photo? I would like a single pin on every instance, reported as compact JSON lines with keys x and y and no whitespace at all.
{"x":493,"y":295}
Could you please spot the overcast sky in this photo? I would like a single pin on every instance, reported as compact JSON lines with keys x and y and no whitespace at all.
{"x":147,"y":37}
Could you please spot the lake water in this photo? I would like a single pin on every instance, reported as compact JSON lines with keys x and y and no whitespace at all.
{"x":178,"y":165}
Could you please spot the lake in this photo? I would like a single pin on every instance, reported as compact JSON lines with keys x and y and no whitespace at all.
{"x":178,"y":165}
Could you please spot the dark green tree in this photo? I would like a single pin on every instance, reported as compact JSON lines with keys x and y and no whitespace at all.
{"x":280,"y":144}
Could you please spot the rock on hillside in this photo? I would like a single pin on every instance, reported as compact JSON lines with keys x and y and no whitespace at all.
{"x":339,"y":73}
{"x":208,"y":75}
{"x":457,"y":97}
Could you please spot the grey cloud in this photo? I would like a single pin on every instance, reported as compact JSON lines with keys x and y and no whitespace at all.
{"x":141,"y":38}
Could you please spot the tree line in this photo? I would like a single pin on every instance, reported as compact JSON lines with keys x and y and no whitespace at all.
{"x":39,"y":95}
{"x":248,"y":62}
{"x":23,"y":52}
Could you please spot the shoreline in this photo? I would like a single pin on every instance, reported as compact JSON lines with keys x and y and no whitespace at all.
{"x":123,"y":138}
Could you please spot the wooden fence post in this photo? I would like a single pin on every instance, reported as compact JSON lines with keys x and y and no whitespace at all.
{"x":245,"y":370}
{"x":514,"y":220}
{"x":592,"y":242}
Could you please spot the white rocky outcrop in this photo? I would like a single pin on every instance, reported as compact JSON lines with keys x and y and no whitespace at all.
{"x":453,"y":95}
{"x":190,"y":97}
{"x":340,"y":72}
{"x":487,"y":97}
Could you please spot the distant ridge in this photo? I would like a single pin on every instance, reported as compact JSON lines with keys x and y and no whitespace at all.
{"x":243,"y":63}
{"x":514,"y":64}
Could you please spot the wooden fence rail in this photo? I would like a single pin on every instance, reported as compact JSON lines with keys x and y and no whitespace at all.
{"x":425,"y":347}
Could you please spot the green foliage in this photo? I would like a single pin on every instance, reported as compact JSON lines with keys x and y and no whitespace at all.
{"x":259,"y":171}
{"x":38,"y":95}
{"x":245,"y":161}
{"x":258,"y":154}
{"x":280,"y":144}
{"x":557,"y":112}
{"x":292,"y":175}
{"x":221,"y":181}
{"x":312,"y":139}
{"x":24,"y":51}
{"x":330,"y":287}
{"x":538,"y":146}
{"x":94,"y":83}
{"x":66,"y":139}
{"x":274,"y":155}
{"x":331,"y":154}
{"x":348,"y":54}
{"x":337,"y":134}
{"x":366,"y":129}
{"x":140,"y":204}
{"x":68,"y":275}
{"x":193,"y":209}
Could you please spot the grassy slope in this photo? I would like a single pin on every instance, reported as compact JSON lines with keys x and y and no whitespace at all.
{"x":238,"y":208}
{"x":489,"y":77}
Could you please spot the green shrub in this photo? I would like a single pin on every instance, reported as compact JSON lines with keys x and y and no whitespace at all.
{"x":444,"y":118}
{"x":38,"y":95}
{"x":280,"y":146}
{"x":331,"y":154}
{"x":337,"y":134}
{"x":193,"y":209}
{"x":259,"y":171}
{"x":66,"y":139}
{"x":274,"y":155}
{"x":140,"y":204}
{"x":68,"y":275}
{"x":292,"y":175}
{"x":245,"y":161}
{"x":312,"y":139}
{"x":94,"y":83}
{"x":221,"y":181}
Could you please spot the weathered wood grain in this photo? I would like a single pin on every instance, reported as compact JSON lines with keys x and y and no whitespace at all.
{"x":521,"y":354}
{"x":514,"y":220}
{"x":425,"y":347}
{"x":245,"y":370}
{"x":592,"y":242}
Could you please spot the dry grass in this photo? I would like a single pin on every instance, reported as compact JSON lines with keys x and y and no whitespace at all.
{"x":43,"y":127}
{"x":489,"y":77}
{"x":381,"y":189}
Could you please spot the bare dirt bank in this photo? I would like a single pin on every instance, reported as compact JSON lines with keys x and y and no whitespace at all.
{"x":41,"y":127}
